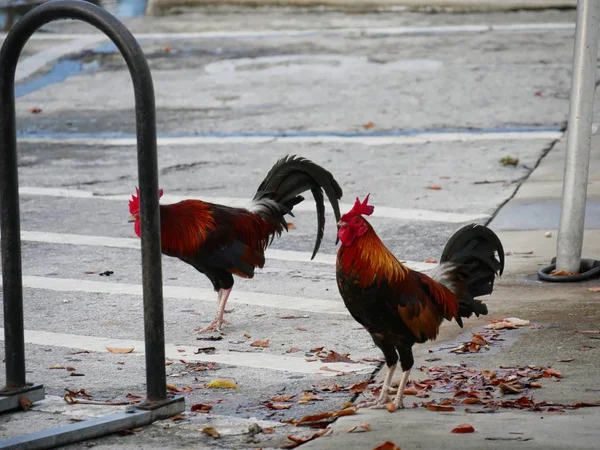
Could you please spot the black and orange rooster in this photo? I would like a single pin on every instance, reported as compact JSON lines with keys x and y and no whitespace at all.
{"x":221,"y":241}
{"x":399,"y":306}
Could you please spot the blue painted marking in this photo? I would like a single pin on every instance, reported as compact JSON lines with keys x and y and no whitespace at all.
{"x":60,"y":72}
{"x":347,"y":134}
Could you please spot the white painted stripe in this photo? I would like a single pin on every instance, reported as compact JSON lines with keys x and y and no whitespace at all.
{"x":350,"y":31}
{"x":182,"y":292}
{"x":32,"y":64}
{"x":134,"y":243}
{"x":421,"y":138}
{"x":380,"y":211}
{"x":254,"y":360}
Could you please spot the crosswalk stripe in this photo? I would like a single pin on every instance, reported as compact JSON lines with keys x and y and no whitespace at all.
{"x":381,"y":211}
{"x":257,"y":360}
{"x":134,"y":243}
{"x":289,"y":302}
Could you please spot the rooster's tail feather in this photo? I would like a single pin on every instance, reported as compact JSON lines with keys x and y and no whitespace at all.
{"x":474,"y":256}
{"x":280,"y":192}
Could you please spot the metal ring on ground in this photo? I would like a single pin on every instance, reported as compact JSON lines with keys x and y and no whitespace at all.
{"x":590,"y":268}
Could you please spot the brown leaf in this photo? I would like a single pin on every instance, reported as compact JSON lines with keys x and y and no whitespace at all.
{"x":351,"y":429}
{"x":470,"y":401}
{"x":167,"y":49}
{"x":365,"y":426}
{"x":463,"y":428}
{"x":431,"y":260}
{"x":535,"y":384}
{"x":594,"y":289}
{"x":434,"y":187}
{"x":585,"y":348}
{"x":210,"y":431}
{"x":178,"y":417}
{"x":119,"y":350}
{"x":260,"y":343}
{"x":334,"y":356}
{"x":391,"y":407}
{"x":313,"y":418}
{"x":302,"y":440}
{"x":56,"y":366}
{"x":316,"y":349}
{"x":301,"y":329}
{"x":283,"y":398}
{"x":345,"y":412}
{"x":35,"y":110}
{"x":440,"y":408}
{"x":368,"y":125}
{"x":291,"y":226}
{"x":25,"y":403}
{"x":308,"y":397}
{"x":247,"y":335}
{"x":358,"y":388}
{"x":279,"y":405}
{"x":268,"y":430}
{"x":549,"y":373}
{"x":293,"y":350}
{"x":566,"y":359}
{"x":201,"y":407}
{"x":387,"y":445}
{"x":172,"y":388}
{"x":561,"y":273}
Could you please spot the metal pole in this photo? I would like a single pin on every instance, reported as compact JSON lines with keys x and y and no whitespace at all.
{"x":148,"y":184}
{"x":570,"y":233}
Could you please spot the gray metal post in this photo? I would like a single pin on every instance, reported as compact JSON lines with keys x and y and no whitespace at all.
{"x":570,"y":233}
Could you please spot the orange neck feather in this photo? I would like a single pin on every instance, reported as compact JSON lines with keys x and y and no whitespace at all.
{"x":368,"y":258}
{"x":183,"y":227}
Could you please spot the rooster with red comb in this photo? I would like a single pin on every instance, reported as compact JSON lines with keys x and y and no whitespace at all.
{"x":399,"y":306}
{"x":220,"y":241}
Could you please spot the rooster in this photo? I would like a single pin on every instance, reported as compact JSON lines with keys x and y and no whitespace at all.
{"x":399,"y":306}
{"x":221,"y":241}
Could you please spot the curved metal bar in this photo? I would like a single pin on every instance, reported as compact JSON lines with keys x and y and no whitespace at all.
{"x":148,"y":184}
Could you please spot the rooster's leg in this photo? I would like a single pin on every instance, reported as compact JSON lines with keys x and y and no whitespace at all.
{"x":400,"y":394}
{"x":384,"y":397}
{"x":218,"y":321}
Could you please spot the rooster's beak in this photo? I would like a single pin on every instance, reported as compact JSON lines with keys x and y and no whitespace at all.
{"x":132,"y":218}
{"x":341,"y":223}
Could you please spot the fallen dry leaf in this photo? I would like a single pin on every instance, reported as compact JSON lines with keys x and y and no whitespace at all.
{"x":247,"y":335}
{"x":283,"y":398}
{"x":387,"y":445}
{"x":434,"y":187}
{"x":368,"y":125}
{"x":56,"y":366}
{"x":268,"y":430}
{"x":119,"y":350}
{"x":301,"y":329}
{"x":463,"y":428}
{"x":279,"y":405}
{"x":260,"y":343}
{"x":178,"y":417}
{"x":562,"y":273}
{"x":351,"y":429}
{"x":365,"y":426}
{"x":508,"y":323}
{"x":222,"y":384}
{"x":302,"y":440}
{"x":333,"y":356}
{"x":201,"y":407}
{"x":167,"y":49}
{"x":172,"y":388}
{"x":431,"y":260}
{"x":358,"y":388}
{"x":549,"y":373}
{"x":294,"y":350}
{"x":441,"y":408}
{"x":25,"y":403}
{"x":391,"y":407}
{"x":567,"y":359}
{"x":35,"y":110}
{"x":594,"y":289}
{"x":210,"y":431}
{"x":291,"y":226}
{"x":308,"y":397}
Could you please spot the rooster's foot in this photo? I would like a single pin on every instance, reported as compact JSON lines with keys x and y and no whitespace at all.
{"x":215,"y":325}
{"x":380,"y":403}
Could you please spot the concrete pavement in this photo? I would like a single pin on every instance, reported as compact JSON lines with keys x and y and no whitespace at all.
{"x":449,"y":95}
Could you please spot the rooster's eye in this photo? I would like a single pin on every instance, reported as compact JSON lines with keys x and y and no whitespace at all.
{"x":356,"y":220}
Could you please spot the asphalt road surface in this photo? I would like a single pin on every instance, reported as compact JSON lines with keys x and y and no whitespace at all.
{"x":392,"y":104}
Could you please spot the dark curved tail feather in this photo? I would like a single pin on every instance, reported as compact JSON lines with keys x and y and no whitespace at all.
{"x":280,"y":192}
{"x":479,"y":256}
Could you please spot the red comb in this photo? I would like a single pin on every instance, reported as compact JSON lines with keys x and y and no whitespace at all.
{"x":362,"y":208}
{"x":134,"y":203}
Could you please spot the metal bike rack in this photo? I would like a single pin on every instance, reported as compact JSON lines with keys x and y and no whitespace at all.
{"x":577,"y":160}
{"x":158,"y":404}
